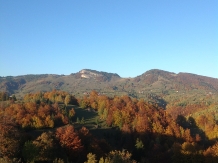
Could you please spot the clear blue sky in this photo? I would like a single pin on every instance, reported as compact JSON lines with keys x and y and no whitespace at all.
{"x":119,"y":36}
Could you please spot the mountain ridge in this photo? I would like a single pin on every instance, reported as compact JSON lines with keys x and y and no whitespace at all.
{"x":148,"y":71}
{"x":152,"y":85}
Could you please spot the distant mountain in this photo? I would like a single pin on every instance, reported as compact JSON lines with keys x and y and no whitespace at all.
{"x":179,"y":81}
{"x":153,"y":85}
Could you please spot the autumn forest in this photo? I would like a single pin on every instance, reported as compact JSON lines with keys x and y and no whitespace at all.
{"x":58,"y":127}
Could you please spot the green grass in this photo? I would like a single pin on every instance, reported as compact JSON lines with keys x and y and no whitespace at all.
{"x":91,"y":118}
{"x":90,"y":122}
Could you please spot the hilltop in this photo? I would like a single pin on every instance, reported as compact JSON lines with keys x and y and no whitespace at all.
{"x":155,"y":85}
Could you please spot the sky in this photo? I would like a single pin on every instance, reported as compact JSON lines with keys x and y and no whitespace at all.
{"x":118,"y":36}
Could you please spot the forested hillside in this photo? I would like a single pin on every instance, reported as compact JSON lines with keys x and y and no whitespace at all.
{"x":153,"y":83}
{"x":59,"y":127}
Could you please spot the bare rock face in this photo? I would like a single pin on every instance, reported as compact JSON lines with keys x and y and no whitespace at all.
{"x":89,"y":74}
{"x":97,"y":75}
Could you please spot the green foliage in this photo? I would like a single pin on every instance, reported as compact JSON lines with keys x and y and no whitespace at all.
{"x":13,"y":98}
{"x":101,"y":108}
{"x":82,"y":120}
{"x":97,"y":121}
{"x":139,"y":144}
{"x":30,"y":152}
{"x":105,"y":114}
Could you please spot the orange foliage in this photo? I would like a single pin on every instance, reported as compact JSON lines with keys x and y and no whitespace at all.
{"x":32,"y":115}
{"x":69,"y":140}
